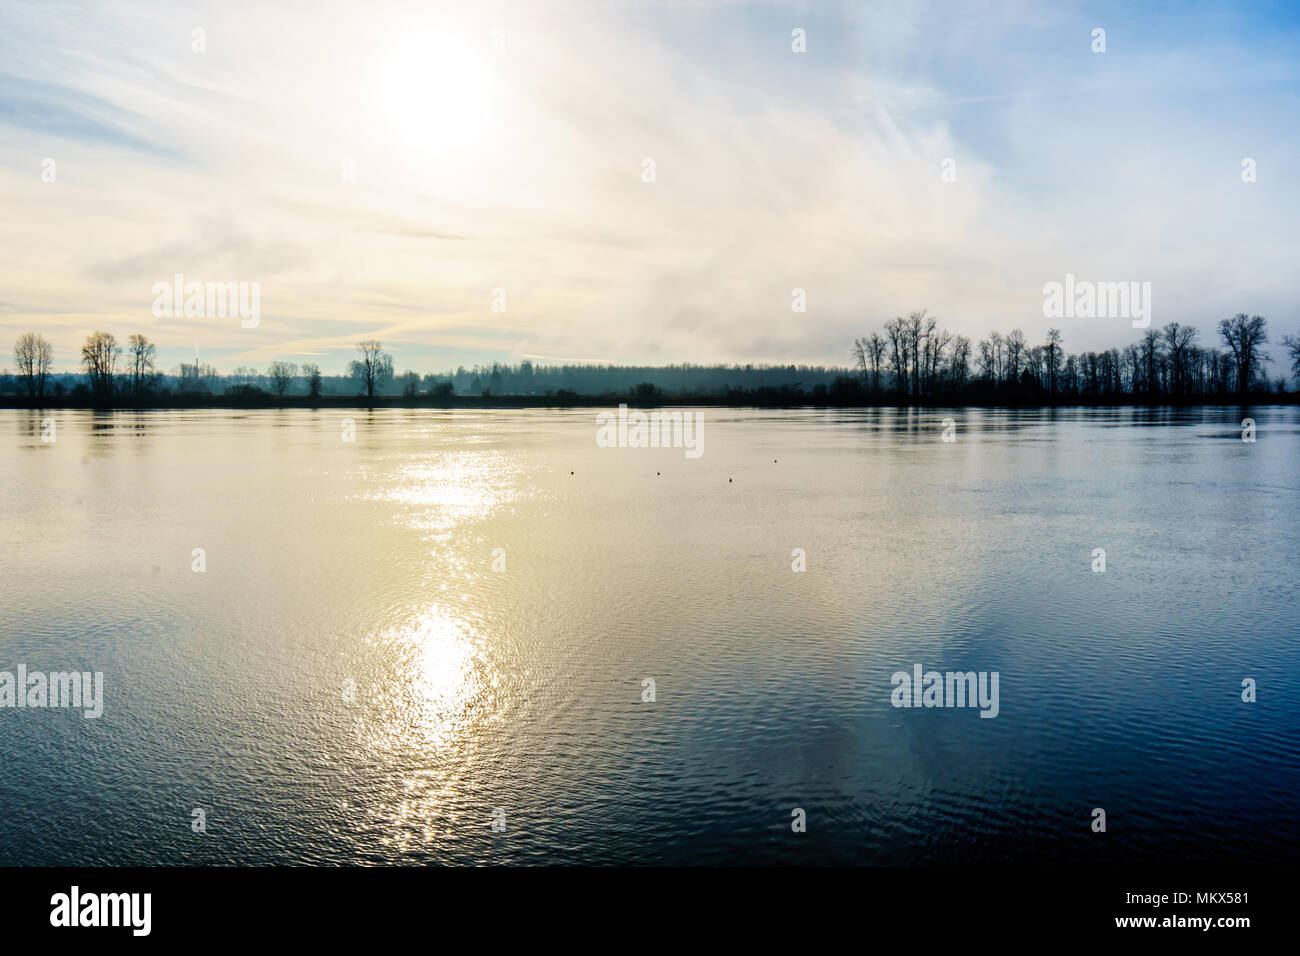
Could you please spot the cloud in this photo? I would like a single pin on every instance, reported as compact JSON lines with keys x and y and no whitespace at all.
{"x":290,"y":153}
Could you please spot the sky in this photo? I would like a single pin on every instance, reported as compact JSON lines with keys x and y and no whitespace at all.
{"x":470,"y":183}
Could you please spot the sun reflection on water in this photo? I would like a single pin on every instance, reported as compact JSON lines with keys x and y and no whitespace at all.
{"x":445,"y":677}
{"x":442,"y":492}
{"x":444,"y":687}
{"x":434,"y":716}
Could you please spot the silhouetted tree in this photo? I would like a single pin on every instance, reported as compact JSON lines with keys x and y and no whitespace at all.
{"x":913,"y":327}
{"x":1151,"y":356}
{"x":876,"y":352}
{"x":312,"y":373}
{"x":282,"y":376}
{"x":373,"y":368}
{"x":99,"y":355}
{"x":1244,"y":335}
{"x":960,"y":365}
{"x":1015,"y":354}
{"x":897,"y":334}
{"x":140,"y":356}
{"x":1292,"y":343}
{"x":1053,"y":358}
{"x":1179,"y":341}
{"x":34,"y":357}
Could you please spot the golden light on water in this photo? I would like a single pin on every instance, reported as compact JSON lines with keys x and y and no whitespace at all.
{"x":443,"y":685}
{"x":444,"y":694}
{"x":443,"y":492}
{"x":443,"y":680}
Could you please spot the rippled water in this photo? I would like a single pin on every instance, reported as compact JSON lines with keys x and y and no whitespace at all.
{"x":371,"y":562}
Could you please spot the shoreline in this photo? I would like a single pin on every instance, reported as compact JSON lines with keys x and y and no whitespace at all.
{"x":478,"y":402}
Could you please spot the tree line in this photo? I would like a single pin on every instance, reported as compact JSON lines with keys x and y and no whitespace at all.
{"x":110,"y":373}
{"x":913,"y":357}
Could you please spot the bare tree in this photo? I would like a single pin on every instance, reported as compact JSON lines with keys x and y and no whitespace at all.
{"x":986,"y":361}
{"x":914,"y":322}
{"x":373,"y":368}
{"x":1141,"y":367}
{"x":870,"y":353}
{"x":1053,"y":358}
{"x":243,"y":376}
{"x":1015,"y":354}
{"x":99,"y":355}
{"x":282,"y":376}
{"x":1151,"y":355}
{"x":1179,"y":340}
{"x":312,"y":373}
{"x":196,"y":377}
{"x":141,"y":354}
{"x":926,"y":352}
{"x":1244,"y":335}
{"x":960,"y":362}
{"x":876,"y":351}
{"x":34,"y":357}
{"x":938,"y":342}
{"x":897,"y":334}
{"x":1292,"y":343}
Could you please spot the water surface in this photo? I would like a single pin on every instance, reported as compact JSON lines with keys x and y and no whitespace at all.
{"x":365,"y":569}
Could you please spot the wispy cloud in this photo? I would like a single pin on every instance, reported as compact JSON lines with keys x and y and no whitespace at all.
{"x":376,"y":192}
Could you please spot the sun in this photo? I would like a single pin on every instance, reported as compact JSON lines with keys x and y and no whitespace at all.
{"x":436,"y":92}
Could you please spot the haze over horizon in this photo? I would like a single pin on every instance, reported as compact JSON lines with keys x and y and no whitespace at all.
{"x":502,"y":146}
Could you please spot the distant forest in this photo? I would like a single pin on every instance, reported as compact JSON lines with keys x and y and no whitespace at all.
{"x":913,"y":357}
{"x":909,"y":360}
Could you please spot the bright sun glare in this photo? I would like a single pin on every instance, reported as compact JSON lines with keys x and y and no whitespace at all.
{"x":435,"y":91}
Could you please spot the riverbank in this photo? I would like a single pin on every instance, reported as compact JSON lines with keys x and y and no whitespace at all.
{"x":734,"y":400}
